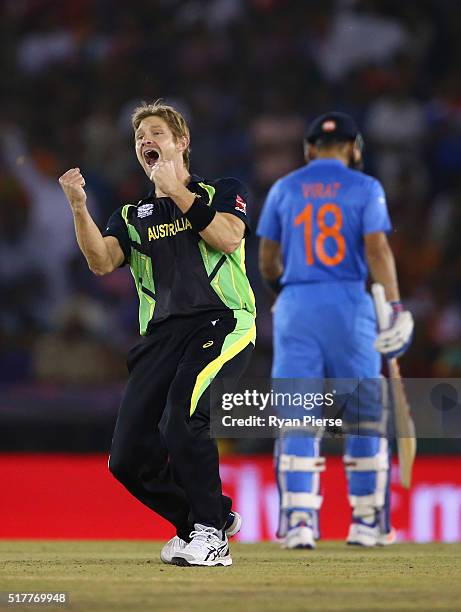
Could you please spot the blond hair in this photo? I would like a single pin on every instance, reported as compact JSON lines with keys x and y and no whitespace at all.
{"x":172,"y":118}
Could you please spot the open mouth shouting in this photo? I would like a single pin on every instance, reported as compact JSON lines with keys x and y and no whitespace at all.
{"x":151,"y":157}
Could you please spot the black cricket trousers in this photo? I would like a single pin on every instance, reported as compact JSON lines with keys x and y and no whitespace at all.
{"x":162,"y":451}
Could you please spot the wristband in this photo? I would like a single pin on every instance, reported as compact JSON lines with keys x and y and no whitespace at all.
{"x":274,"y":285}
{"x":200,"y":215}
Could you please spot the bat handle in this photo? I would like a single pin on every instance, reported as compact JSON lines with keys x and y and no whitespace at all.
{"x":381,"y":306}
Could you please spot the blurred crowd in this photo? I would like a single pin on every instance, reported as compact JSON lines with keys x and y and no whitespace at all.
{"x":248,"y":75}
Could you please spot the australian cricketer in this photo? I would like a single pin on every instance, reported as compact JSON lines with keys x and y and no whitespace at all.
{"x":185,"y":245}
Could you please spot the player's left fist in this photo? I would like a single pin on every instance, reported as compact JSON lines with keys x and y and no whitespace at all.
{"x":394,"y":341}
{"x":164,"y":176}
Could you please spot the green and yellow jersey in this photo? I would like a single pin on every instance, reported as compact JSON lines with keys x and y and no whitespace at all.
{"x":176,"y":273}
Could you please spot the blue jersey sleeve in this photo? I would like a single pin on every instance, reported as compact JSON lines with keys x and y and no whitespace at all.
{"x":375,"y":215}
{"x":269,"y":225}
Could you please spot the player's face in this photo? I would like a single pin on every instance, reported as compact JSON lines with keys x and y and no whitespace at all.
{"x":154,"y":141}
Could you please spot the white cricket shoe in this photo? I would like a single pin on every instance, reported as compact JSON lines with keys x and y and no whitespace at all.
{"x":362,"y":534}
{"x":300,"y":532}
{"x":171,"y":548}
{"x":232,"y":527}
{"x":366,"y":534}
{"x":208,"y":547}
{"x":299,"y":537}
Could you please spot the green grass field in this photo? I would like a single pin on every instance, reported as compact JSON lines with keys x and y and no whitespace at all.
{"x":129,"y":576}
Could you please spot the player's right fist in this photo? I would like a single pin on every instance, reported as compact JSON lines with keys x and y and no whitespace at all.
{"x":72,"y":183}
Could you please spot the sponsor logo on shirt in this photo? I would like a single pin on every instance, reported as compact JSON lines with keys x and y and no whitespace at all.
{"x":240,"y":204}
{"x":145,"y":210}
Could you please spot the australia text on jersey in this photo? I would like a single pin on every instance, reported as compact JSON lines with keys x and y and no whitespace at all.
{"x":163,"y":230}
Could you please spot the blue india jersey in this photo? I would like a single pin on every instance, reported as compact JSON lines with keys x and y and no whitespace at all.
{"x":320,"y":214}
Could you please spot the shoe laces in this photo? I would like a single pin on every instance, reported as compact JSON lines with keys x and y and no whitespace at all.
{"x":203,"y":535}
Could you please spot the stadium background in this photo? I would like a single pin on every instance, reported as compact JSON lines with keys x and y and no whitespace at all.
{"x":248,"y":75}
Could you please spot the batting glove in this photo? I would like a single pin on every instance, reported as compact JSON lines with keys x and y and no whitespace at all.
{"x":394,"y":341}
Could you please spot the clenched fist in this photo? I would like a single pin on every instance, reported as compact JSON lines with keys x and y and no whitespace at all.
{"x":165,"y":178}
{"x":72,"y":183}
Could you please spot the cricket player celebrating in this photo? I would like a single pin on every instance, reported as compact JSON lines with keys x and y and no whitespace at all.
{"x":184,"y":244}
{"x":322,"y":227}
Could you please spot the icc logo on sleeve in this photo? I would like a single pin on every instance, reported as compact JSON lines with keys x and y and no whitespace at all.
{"x":145,"y":210}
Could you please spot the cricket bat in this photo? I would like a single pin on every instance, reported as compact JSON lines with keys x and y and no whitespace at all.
{"x":404,"y":425}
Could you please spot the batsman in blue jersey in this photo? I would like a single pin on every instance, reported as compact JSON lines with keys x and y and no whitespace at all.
{"x":322,"y":228}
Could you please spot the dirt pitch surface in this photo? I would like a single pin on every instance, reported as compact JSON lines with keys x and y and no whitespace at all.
{"x":100,"y":575}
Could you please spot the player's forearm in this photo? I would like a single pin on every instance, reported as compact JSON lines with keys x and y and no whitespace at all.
{"x":270,"y":260}
{"x":222,"y":234}
{"x":270,"y":270}
{"x":270,"y":265}
{"x":382,"y":268}
{"x":183,"y":198}
{"x":91,"y":243}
